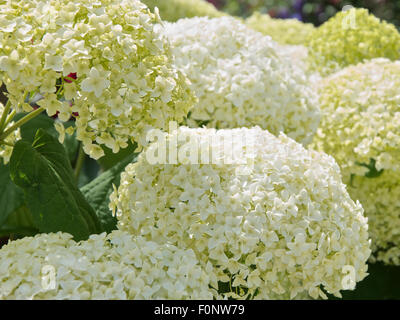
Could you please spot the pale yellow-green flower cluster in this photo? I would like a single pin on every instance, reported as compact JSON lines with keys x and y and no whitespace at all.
{"x":268,"y":217}
{"x":381,"y":202}
{"x":114,"y":266}
{"x":360,"y":128}
{"x":350,"y":37}
{"x":125,"y":82}
{"x":173,"y":10}
{"x":284,"y":31}
{"x":242,"y":78}
{"x":6,"y":146}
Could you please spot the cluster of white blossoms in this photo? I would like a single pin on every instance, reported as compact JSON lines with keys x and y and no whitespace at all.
{"x":379,"y":197}
{"x":275,"y":223}
{"x":285,"y":31}
{"x":350,"y":37}
{"x":114,"y":266}
{"x":6,"y":146}
{"x":361,"y":116}
{"x":173,"y":10}
{"x":360,"y":128}
{"x":101,"y":61}
{"x":242,"y":78}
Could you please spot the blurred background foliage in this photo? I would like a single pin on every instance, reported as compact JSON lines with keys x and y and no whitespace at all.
{"x":312,"y":11}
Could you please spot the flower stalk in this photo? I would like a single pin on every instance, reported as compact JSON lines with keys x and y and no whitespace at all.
{"x":20,"y":122}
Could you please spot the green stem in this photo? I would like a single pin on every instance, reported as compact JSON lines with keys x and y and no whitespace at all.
{"x":10,"y":117}
{"x":4,"y":115}
{"x":21,"y":121}
{"x":79,"y":162}
{"x":6,"y":143}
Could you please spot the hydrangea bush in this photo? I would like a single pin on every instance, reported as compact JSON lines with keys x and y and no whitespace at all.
{"x":350,"y":37}
{"x":101,"y":62}
{"x":278,"y":223}
{"x":173,"y":10}
{"x":242,"y":78}
{"x":234,"y":207}
{"x":113,"y":266}
{"x":360,"y":128}
{"x":285,"y":31}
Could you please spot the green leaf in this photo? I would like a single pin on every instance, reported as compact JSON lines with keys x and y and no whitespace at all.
{"x":372,"y":171}
{"x":89,"y":172}
{"x":11,"y":196}
{"x":43,"y":171}
{"x":111,"y":159}
{"x":19,"y":224}
{"x":98,"y":192}
{"x":42,"y":121}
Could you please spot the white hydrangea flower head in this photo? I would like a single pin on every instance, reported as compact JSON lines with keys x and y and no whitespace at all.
{"x":379,"y":197}
{"x":267,"y":219}
{"x":360,"y":128}
{"x":173,"y":10}
{"x":285,"y":31}
{"x":125,"y":83}
{"x":361,"y":116}
{"x":298,"y":57}
{"x":6,"y":145}
{"x":114,"y":266}
{"x":350,"y":37}
{"x":242,"y":78}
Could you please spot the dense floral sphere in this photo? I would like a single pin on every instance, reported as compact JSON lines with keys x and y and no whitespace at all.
{"x":103,"y":56}
{"x":241,"y":79}
{"x":379,"y":197}
{"x":264,"y":216}
{"x":360,"y":128}
{"x":173,"y":10}
{"x":285,"y":31}
{"x":361,"y":116}
{"x":114,"y":266}
{"x":351,"y":37}
{"x":6,"y":145}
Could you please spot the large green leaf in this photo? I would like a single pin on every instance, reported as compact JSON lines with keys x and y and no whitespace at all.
{"x":43,"y":171}
{"x":42,"y":121}
{"x":11,"y":196}
{"x":98,"y":191}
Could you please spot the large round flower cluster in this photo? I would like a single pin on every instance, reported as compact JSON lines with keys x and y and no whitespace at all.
{"x":242,"y":79}
{"x":360,"y":128}
{"x":351,"y":37}
{"x":114,"y":266}
{"x":6,"y":146}
{"x":173,"y":10}
{"x":285,"y":31}
{"x":361,"y":116}
{"x":104,"y":56}
{"x":264,"y":216}
{"x":379,"y":197}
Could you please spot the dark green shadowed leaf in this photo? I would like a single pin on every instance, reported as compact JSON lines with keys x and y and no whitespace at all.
{"x":11,"y":196}
{"x":42,"y":121}
{"x":98,"y":191}
{"x":43,"y":171}
{"x":111,"y":159}
{"x":19,"y":224}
